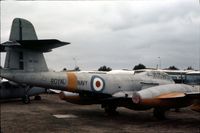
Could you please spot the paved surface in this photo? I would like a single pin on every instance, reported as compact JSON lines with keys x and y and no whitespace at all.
{"x":17,"y":117}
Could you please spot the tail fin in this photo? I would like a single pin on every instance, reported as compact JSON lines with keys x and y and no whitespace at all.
{"x":22,"y":30}
{"x":24,"y":50}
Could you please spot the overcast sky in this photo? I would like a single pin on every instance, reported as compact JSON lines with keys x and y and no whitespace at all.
{"x":116,"y":34}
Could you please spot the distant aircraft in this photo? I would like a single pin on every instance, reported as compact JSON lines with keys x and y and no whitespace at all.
{"x":25,"y":64}
{"x":9,"y":89}
{"x":12,"y":90}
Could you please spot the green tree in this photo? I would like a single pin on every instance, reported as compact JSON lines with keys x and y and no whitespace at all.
{"x":173,"y":68}
{"x":77,"y":68}
{"x":104,"y":68}
{"x":139,"y":66}
{"x":190,"y":68}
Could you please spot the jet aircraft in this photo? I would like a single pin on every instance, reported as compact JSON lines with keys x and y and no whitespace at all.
{"x":25,"y":65}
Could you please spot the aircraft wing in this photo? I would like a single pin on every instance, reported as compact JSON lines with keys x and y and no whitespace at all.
{"x":168,"y":96}
{"x":55,"y":91}
{"x":179,"y":95}
{"x":172,"y":95}
{"x":123,"y":94}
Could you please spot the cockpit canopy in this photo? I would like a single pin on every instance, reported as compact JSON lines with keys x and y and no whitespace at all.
{"x":156,"y":75}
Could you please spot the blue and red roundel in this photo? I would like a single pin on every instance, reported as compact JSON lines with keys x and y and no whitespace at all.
{"x":97,"y":83}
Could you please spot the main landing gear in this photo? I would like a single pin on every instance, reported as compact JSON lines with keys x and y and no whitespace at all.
{"x":27,"y":93}
{"x":26,"y":98}
{"x":38,"y":98}
{"x":159,"y":113}
{"x":110,"y":109}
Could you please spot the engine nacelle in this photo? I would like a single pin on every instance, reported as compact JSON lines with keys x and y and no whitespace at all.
{"x":169,"y":96}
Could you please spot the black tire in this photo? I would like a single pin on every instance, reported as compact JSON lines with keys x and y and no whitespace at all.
{"x":37,"y":98}
{"x":159,"y":113}
{"x":26,"y":99}
{"x":110,"y":109}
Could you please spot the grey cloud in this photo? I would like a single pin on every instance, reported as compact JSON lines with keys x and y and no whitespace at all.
{"x":119,"y":35}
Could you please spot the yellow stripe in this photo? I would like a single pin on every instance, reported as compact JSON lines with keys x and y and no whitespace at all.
{"x":72,"y":82}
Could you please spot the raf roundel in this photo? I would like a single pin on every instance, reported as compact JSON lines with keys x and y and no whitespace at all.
{"x":97,"y":83}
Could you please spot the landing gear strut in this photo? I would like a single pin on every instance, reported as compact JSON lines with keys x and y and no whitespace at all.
{"x":26,"y":99}
{"x":110,"y":109}
{"x":37,"y":97}
{"x":159,"y":113}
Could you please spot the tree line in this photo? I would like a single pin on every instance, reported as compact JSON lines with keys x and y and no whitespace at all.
{"x":141,"y":66}
{"x":136,"y":67}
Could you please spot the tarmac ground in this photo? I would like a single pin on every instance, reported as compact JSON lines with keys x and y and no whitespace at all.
{"x":38,"y":117}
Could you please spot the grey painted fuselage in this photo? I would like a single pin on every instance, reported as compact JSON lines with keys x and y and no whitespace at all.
{"x":82,"y":81}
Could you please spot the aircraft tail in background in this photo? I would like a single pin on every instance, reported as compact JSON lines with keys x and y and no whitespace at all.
{"x":24,"y":50}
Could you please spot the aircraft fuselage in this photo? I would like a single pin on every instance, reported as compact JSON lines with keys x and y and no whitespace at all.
{"x":97,"y":82}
